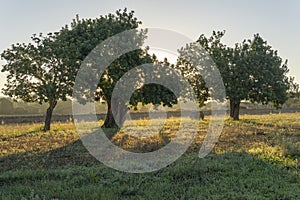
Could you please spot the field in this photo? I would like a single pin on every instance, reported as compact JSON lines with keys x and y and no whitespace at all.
{"x":255,"y":158}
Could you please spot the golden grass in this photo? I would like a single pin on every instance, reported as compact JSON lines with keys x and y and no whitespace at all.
{"x":277,"y":135}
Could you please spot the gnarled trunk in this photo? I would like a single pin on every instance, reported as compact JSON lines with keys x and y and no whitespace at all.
{"x":49,"y":112}
{"x":234,"y":109}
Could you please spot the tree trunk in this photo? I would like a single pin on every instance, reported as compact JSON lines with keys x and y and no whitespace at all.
{"x":121,"y":110}
{"x":109,"y":120}
{"x":231,"y":108}
{"x":50,"y":109}
{"x":234,"y":109}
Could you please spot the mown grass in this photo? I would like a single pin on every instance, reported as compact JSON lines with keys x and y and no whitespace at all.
{"x":255,"y":158}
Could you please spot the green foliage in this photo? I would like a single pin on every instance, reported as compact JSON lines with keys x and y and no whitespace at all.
{"x":294,"y":89}
{"x":267,"y":79}
{"x":45,"y":69}
{"x":94,"y":33}
{"x":158,"y":94}
{"x":251,"y":70}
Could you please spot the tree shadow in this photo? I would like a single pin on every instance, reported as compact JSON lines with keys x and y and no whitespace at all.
{"x":233,"y":175}
{"x":72,"y":154}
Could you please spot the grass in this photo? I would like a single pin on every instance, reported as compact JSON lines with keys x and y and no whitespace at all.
{"x":255,"y":158}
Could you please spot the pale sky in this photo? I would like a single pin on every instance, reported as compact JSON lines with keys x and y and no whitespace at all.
{"x":277,"y":21}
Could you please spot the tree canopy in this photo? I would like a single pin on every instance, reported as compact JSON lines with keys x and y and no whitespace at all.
{"x":251,"y":71}
{"x":45,"y":69}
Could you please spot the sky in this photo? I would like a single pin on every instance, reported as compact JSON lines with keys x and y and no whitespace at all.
{"x":277,"y":21}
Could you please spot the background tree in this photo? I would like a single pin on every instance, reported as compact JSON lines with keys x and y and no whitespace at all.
{"x":294,"y":89}
{"x":7,"y":106}
{"x":157,"y":94}
{"x":250,"y":71}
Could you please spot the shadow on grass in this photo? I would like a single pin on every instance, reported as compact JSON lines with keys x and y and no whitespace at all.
{"x":255,"y":123}
{"x":74,"y":153}
{"x":70,"y":172}
{"x":29,"y":133}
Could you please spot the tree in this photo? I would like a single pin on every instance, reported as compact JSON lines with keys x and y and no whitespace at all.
{"x":193,"y":75}
{"x":86,"y":35}
{"x":250,"y":71}
{"x":157,"y":94}
{"x":129,"y":74}
{"x":195,"y":65}
{"x":45,"y":69}
{"x":7,"y":106}
{"x":294,"y":90}
{"x":36,"y":73}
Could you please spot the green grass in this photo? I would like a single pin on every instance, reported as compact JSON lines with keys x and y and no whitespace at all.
{"x":255,"y":158}
{"x":226,"y":176}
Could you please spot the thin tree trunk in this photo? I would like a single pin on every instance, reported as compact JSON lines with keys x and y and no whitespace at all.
{"x":234,"y":109}
{"x":121,"y":109}
{"x":109,"y":120}
{"x":236,"y":113}
{"x":49,"y":112}
{"x":231,"y":108}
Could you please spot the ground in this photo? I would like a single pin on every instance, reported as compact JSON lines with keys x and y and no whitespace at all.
{"x":255,"y":158}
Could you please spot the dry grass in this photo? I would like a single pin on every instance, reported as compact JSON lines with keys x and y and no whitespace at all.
{"x":255,"y":158}
{"x":273,"y":134}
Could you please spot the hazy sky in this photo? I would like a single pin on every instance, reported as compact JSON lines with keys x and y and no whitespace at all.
{"x":276,"y":21}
